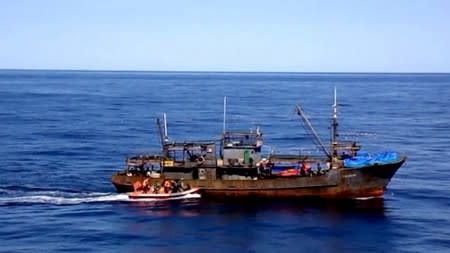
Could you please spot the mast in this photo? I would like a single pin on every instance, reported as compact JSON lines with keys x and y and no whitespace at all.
{"x":334,"y":125}
{"x":166,"y":138}
{"x":222,"y":137}
{"x":161,"y":134}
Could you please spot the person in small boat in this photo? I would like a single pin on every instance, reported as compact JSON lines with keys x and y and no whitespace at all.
{"x":146,"y":187}
{"x":156,"y":188}
{"x":161,"y":190}
{"x":168,"y":186}
{"x":137,"y":186}
{"x":181,"y":186}
{"x":143,"y":187}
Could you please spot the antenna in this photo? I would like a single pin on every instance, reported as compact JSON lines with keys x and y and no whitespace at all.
{"x":224,"y":112}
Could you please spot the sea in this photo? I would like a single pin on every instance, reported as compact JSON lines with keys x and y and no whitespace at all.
{"x":64,"y":133}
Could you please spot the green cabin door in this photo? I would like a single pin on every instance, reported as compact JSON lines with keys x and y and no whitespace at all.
{"x":246,"y":156}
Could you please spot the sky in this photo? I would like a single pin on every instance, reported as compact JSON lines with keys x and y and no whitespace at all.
{"x":229,"y":35}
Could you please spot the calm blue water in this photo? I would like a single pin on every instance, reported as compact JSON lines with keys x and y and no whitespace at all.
{"x":63,"y":133}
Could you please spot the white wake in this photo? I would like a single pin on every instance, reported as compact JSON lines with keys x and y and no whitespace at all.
{"x":64,"y":198}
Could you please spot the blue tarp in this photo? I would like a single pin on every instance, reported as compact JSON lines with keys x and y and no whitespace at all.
{"x":366,"y":159}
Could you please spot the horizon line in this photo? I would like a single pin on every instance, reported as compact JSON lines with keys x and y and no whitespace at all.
{"x":218,"y":71}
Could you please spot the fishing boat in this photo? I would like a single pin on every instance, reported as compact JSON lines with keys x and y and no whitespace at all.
{"x":238,"y":170}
